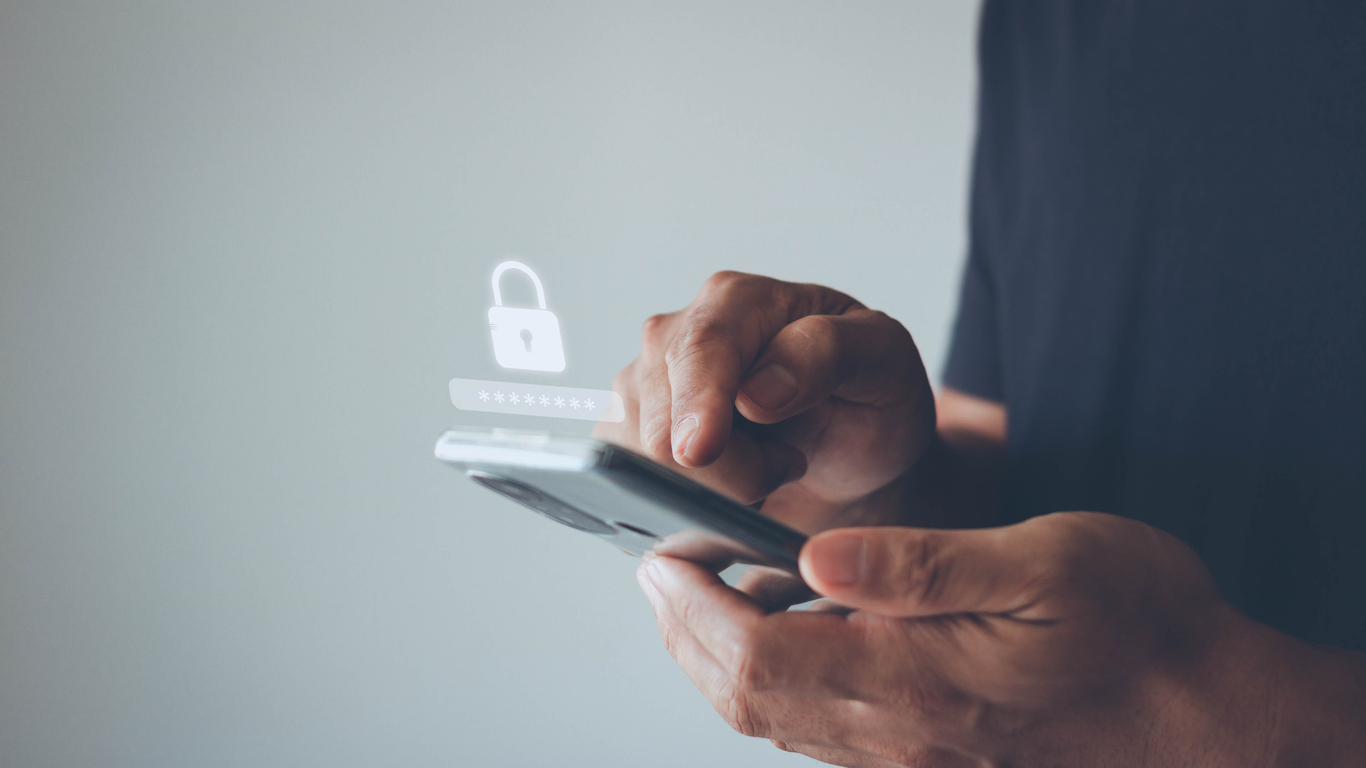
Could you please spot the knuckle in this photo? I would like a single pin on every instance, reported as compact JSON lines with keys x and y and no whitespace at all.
{"x":748,"y":666}
{"x":740,"y":713}
{"x":821,"y":331}
{"x":723,"y":280}
{"x":884,"y":319}
{"x":692,"y":387}
{"x":700,"y":336}
{"x":654,"y":436}
{"x":924,"y":571}
{"x":1074,"y":572}
{"x":654,"y":426}
{"x":898,"y":336}
{"x":669,"y":633}
{"x":1071,"y":554}
{"x":654,"y":328}
{"x":700,"y":332}
{"x":740,"y":288}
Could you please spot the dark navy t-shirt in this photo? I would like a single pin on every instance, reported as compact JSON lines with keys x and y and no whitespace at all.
{"x":1166,"y":283}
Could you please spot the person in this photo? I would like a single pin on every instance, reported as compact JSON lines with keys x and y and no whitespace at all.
{"x":1162,"y":322}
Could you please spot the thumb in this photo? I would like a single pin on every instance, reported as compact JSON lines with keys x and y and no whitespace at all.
{"x":906,"y":572}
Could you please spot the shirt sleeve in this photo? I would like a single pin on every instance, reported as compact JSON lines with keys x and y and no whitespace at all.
{"x":974,"y":363}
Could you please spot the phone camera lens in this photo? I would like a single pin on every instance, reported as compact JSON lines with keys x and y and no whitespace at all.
{"x":636,"y":529}
{"x":544,"y":503}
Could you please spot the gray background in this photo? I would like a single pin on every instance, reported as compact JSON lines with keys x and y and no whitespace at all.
{"x":244,"y":245}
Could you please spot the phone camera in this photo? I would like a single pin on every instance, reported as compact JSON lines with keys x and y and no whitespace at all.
{"x":635,"y":529}
{"x":544,"y":503}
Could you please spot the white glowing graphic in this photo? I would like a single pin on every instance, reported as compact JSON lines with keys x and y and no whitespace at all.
{"x":537,"y":400}
{"x":525,"y":339}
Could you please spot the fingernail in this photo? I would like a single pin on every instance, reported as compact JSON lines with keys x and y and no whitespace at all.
{"x":652,"y":574}
{"x":682,"y":434}
{"x":772,"y":387}
{"x":839,"y":559}
{"x":647,"y":584}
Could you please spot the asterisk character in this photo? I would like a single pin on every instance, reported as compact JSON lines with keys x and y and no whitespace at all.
{"x":515,"y":398}
{"x":484,"y":395}
{"x":588,"y":404}
{"x":574,"y":403}
{"x":559,"y":402}
{"x":545,"y":400}
{"x":498,"y":396}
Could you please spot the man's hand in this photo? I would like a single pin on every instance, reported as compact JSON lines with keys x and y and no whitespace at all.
{"x":1073,"y":639}
{"x":832,"y":399}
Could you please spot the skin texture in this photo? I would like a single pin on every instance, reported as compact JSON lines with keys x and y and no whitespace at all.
{"x":1073,"y":639}
{"x":1039,"y":644}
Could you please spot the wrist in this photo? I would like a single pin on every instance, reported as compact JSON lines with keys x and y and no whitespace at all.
{"x":1322,"y":705}
{"x":1257,"y":697}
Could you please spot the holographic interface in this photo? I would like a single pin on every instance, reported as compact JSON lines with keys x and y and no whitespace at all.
{"x":528,"y":339}
{"x":525,"y":339}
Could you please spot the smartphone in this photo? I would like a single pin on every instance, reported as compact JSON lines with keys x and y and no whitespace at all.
{"x":620,"y":496}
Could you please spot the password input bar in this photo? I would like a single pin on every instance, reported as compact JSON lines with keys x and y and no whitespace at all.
{"x":537,"y":400}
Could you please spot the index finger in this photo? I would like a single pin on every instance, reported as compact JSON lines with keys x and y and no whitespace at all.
{"x":717,"y":341}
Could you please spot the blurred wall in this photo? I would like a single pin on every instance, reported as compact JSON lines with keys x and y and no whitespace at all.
{"x":244,"y":245}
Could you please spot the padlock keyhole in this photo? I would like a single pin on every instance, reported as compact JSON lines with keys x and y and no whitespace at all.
{"x":526,"y":338}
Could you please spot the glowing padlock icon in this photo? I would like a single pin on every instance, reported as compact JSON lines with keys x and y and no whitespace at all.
{"x":525,"y":339}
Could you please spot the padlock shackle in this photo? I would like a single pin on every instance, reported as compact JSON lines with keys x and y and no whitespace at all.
{"x":517,"y":265}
